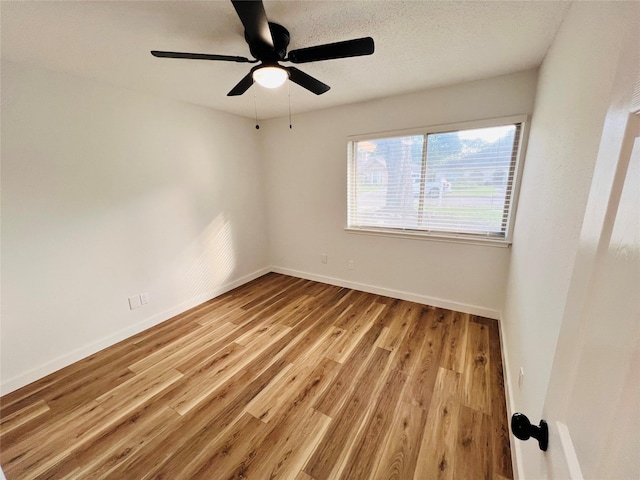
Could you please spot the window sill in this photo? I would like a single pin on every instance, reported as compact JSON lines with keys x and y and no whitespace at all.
{"x":450,"y":238}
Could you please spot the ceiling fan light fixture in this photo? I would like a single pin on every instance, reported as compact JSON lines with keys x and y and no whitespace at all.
{"x":270,"y":77}
{"x":268,"y":43}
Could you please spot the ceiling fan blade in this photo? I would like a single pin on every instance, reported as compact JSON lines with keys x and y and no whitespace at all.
{"x":254,"y":19}
{"x":329,"y":51}
{"x":242,"y":86}
{"x":200,"y":56}
{"x":307,"y":81}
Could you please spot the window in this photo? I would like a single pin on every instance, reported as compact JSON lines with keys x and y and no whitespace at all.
{"x":457,"y":181}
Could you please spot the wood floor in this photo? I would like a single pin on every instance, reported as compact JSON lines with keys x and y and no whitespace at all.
{"x":280,"y":378}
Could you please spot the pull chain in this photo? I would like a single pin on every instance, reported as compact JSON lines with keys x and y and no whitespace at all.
{"x":289,"y":89}
{"x":255,"y":107}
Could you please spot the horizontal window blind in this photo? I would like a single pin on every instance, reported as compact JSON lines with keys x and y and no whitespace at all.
{"x":457,"y":182}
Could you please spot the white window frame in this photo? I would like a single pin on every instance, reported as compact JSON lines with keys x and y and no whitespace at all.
{"x":468,"y":238}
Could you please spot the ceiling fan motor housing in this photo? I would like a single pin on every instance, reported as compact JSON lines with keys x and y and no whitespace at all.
{"x":265,"y":53}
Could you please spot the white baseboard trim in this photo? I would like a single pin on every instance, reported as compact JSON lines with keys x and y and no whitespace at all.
{"x":516,"y":449}
{"x":575,"y":472}
{"x":412,"y":297}
{"x":87,"y":350}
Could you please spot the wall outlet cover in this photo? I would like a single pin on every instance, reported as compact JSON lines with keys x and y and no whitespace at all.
{"x":134,"y":302}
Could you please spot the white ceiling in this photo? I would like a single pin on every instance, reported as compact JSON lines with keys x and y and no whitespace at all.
{"x":418,"y":45}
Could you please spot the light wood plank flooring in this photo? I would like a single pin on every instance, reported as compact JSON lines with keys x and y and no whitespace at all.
{"x":280,"y":378}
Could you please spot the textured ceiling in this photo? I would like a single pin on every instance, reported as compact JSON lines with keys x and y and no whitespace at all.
{"x":419,"y":44}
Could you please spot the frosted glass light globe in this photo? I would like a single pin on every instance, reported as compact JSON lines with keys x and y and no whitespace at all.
{"x":270,"y":77}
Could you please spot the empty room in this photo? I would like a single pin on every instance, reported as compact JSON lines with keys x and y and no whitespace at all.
{"x":317,"y":240}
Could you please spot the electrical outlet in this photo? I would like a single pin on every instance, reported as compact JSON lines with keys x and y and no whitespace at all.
{"x":324,"y":258}
{"x":352,"y":265}
{"x":134,"y":302}
{"x":520,"y":377}
{"x":144,"y":298}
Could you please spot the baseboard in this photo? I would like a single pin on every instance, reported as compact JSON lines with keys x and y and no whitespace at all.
{"x":516,"y":452}
{"x":412,"y":297}
{"x":87,"y":350}
{"x":570,"y":457}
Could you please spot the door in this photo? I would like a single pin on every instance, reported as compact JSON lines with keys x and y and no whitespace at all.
{"x":592,"y":403}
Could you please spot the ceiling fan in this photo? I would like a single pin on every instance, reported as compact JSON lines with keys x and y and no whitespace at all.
{"x":268,"y":44}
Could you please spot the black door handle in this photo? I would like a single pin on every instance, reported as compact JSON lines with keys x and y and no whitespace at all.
{"x":522,"y":428}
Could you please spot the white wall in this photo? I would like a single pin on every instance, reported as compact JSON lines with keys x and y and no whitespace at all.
{"x":573,"y":95}
{"x":306,"y":173}
{"x":107,"y":193}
